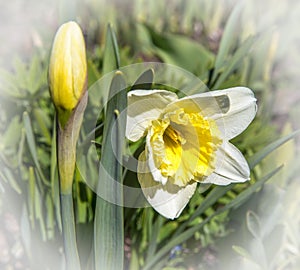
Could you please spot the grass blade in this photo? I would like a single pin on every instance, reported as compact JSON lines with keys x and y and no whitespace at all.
{"x":32,"y":146}
{"x":31,"y":197}
{"x":236,"y":60}
{"x":153,"y":240}
{"x":228,"y":39}
{"x":144,"y":81}
{"x":245,"y":195}
{"x":259,"y":156}
{"x":170,"y":48}
{"x":111,"y":58}
{"x":109,"y":223}
{"x":241,"y":198}
{"x":54,"y":176}
{"x":209,"y":200}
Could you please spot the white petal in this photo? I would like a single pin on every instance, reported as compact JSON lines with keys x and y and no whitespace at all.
{"x":143,"y":107}
{"x":241,"y":112}
{"x":233,"y":109}
{"x":231,"y":166}
{"x":169,"y":200}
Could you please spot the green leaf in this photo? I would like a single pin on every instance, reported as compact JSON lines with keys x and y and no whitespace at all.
{"x":245,"y":195}
{"x":155,"y":230}
{"x":27,"y":79}
{"x":38,"y":209}
{"x":32,"y":146}
{"x":93,"y":73}
{"x":235,"y":61}
{"x":215,"y":194}
{"x":259,"y":69}
{"x":259,"y":156}
{"x":167,"y":230}
{"x":229,"y":39}
{"x":31,"y":197}
{"x":109,"y":223}
{"x":12,"y":134}
{"x":37,"y":75}
{"x":44,"y":124}
{"x":243,"y":252}
{"x":50,"y":216}
{"x":181,"y":51}
{"x":8,"y":177}
{"x":54,"y":176}
{"x":241,"y":198}
{"x":20,"y":68}
{"x":134,"y":261}
{"x":8,"y":85}
{"x":144,"y":81}
{"x":253,"y":225}
{"x":81,"y":200}
{"x":111,"y":57}
{"x":21,"y":147}
{"x":194,"y":87}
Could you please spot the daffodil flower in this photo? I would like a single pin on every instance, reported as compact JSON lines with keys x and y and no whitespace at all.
{"x":67,"y":69}
{"x":187,"y":142}
{"x":68,"y":89}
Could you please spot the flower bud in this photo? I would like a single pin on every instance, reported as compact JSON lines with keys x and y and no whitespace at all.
{"x":67,"y":68}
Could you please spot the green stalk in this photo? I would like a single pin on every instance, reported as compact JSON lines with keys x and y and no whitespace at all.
{"x":66,"y":165}
{"x":69,"y":234}
{"x":66,"y":156}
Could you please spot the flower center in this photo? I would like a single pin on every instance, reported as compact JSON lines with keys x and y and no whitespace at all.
{"x":183,"y":146}
{"x":173,"y":150}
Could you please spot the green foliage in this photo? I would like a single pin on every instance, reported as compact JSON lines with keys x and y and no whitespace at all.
{"x":27,"y":82}
{"x":241,"y":57}
{"x":180,"y":51}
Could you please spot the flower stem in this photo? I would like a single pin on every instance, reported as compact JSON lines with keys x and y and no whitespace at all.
{"x":67,"y":137}
{"x":69,"y":235}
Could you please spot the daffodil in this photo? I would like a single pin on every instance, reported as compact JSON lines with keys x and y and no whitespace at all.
{"x":68,"y":89}
{"x":67,"y":69}
{"x":187,"y":142}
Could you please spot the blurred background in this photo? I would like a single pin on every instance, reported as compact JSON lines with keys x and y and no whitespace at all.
{"x":223,"y":42}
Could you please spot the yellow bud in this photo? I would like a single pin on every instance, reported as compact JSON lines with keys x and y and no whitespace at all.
{"x":68,"y":68}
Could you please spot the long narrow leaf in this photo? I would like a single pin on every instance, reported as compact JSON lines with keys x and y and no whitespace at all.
{"x":108,"y":230}
{"x":54,"y":176}
{"x":242,"y":197}
{"x":228,"y":39}
{"x":32,"y":146}
{"x":245,"y":195}
{"x":209,"y":200}
{"x":259,"y":156}
{"x":31,"y":197}
{"x":153,"y":241}
{"x":111,"y":58}
{"x":236,"y":60}
{"x":144,"y":81}
{"x":181,"y":51}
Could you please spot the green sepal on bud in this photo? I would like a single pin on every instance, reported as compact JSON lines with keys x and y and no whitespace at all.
{"x":67,"y":141}
{"x":67,"y":70}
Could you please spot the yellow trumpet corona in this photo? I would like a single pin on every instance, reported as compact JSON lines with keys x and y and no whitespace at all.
{"x":68,"y":67}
